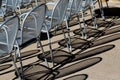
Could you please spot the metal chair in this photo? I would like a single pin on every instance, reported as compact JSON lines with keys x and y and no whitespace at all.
{"x":8,"y":7}
{"x":84,"y":6}
{"x":20,"y":3}
{"x":72,"y":13}
{"x":2,"y":10}
{"x":31,"y":25}
{"x":8,"y":43}
{"x":101,"y":8}
{"x":16,"y":5}
{"x":54,"y":19}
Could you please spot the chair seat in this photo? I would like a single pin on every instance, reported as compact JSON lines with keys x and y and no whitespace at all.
{"x":36,"y":71}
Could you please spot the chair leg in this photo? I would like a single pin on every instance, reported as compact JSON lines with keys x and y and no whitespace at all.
{"x":101,"y":9}
{"x":43,"y":53}
{"x":107,"y":3}
{"x":21,"y":64}
{"x":68,"y":37}
{"x":50,"y":46}
{"x":78,"y":17}
{"x":15,"y":66}
{"x":17,"y":51}
{"x":85,"y":27}
{"x":94,"y":20}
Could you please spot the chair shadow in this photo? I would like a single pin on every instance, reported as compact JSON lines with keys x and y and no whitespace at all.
{"x":4,"y":67}
{"x":108,"y":36}
{"x":63,"y":58}
{"x":61,"y":71}
{"x":75,"y":67}
{"x":60,"y":57}
{"x":106,"y":39}
{"x":35,"y":72}
{"x":96,"y":51}
{"x":112,"y":30}
{"x":111,"y":14}
{"x":24,"y":55}
{"x":111,"y":11}
{"x":108,"y":27}
{"x":102,"y":23}
{"x":78,"y":43}
{"x":66,"y":58}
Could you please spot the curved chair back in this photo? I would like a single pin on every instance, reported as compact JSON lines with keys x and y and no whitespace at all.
{"x":23,"y":2}
{"x":75,"y":5}
{"x":86,"y":3}
{"x":59,"y":12}
{"x":32,"y":24}
{"x":11,"y":4}
{"x":8,"y":32}
{"x":38,"y":13}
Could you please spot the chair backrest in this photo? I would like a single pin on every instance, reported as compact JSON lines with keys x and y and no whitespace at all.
{"x":39,"y":13}
{"x":74,"y":6}
{"x":16,"y":4}
{"x":8,"y":32}
{"x":86,"y":3}
{"x":23,"y":2}
{"x":11,"y":4}
{"x":59,"y":12}
{"x":33,"y":21}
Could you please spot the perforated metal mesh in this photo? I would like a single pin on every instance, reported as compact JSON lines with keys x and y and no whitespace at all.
{"x":8,"y":32}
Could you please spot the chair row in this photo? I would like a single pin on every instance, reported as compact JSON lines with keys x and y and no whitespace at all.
{"x":12,"y":6}
{"x":19,"y":29}
{"x":11,"y":32}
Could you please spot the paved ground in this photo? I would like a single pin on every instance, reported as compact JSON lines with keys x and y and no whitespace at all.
{"x":106,"y":51}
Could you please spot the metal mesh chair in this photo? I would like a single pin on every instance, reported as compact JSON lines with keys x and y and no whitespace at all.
{"x":2,"y":10}
{"x":31,"y":25}
{"x":20,"y":3}
{"x":84,"y":6}
{"x":8,"y":43}
{"x":72,"y":12}
{"x":8,"y":7}
{"x":16,"y":5}
{"x":53,"y":19}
